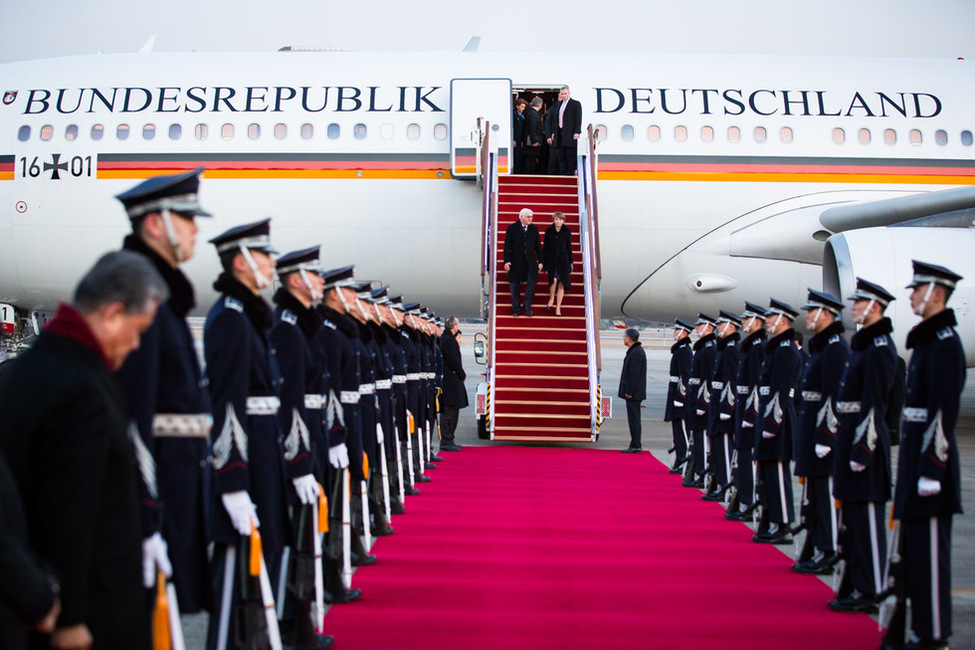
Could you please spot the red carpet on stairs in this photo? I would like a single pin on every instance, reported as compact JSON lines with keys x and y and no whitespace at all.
{"x":517,"y":547}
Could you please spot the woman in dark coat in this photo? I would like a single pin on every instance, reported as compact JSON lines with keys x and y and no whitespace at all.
{"x":557,"y":258}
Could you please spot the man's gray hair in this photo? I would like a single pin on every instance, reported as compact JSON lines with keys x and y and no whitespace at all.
{"x":537,"y":102}
{"x":450,"y":322}
{"x":566,"y":88}
{"x":633,"y":334}
{"x":124,"y":277}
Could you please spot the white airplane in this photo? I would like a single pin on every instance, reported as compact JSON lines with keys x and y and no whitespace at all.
{"x":720,"y":180}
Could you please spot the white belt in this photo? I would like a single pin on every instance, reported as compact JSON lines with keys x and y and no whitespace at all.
{"x":812,"y":396}
{"x":313,"y":401}
{"x":413,"y":376}
{"x":431,"y":375}
{"x":266,"y":405}
{"x":367,"y":389}
{"x":383,"y":384}
{"x":694,"y":381}
{"x":742,"y":390}
{"x":915,"y":414}
{"x":181,"y":425}
{"x":765,"y":390}
{"x":349,"y":397}
{"x":674,"y":379}
{"x":399,"y":379}
{"x":848,"y":407}
{"x":717,"y":385}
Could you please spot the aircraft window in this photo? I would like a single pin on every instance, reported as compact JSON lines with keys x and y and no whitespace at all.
{"x":175,"y":131}
{"x":148,"y":131}
{"x":227,"y":131}
{"x":413,"y":131}
{"x":915,"y":137}
{"x":47,"y":132}
{"x":71,"y":133}
{"x":785,"y":134}
{"x":653,"y":133}
{"x":253,"y":131}
{"x":23,"y":133}
{"x":307,"y":131}
{"x":734,"y":134}
{"x":626,"y":133}
{"x":122,"y":132}
{"x":359,"y":131}
{"x":600,"y":133}
{"x":966,"y":138}
{"x":386,"y":131}
{"x":760,"y":134}
{"x":201,"y":131}
{"x":280,"y":131}
{"x":863,"y":135}
{"x":839,"y":136}
{"x":440,"y":131}
{"x":680,"y":133}
{"x":97,"y":131}
{"x":707,"y":134}
{"x":941,"y":137}
{"x":333,"y":131}
{"x":890,"y":136}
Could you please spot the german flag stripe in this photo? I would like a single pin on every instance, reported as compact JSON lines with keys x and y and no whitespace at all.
{"x":6,"y":168}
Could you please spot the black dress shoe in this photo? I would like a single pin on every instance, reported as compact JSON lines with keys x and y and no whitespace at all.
{"x":430,"y":465}
{"x":855,"y":602}
{"x":781,"y":536}
{"x":528,"y":310}
{"x":412,"y":491}
{"x":817,"y":566}
{"x":397,"y":508}
{"x":515,"y":312}
{"x":717,"y":495}
{"x":435,"y":459}
{"x":632,"y":450}
{"x":450,"y":447}
{"x":363,"y":560}
{"x":422,"y":479}
{"x":925,"y":644}
{"x":342,"y":597}
{"x":381,"y":532}
{"x":675,"y":470}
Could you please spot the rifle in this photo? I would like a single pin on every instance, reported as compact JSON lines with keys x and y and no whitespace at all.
{"x":841,"y":576}
{"x":893,"y":600}
{"x":304,"y":576}
{"x":167,"y":633}
{"x":383,"y":464}
{"x":688,"y":474}
{"x":256,"y":625}
{"x":410,"y":428}
{"x":346,"y":528}
{"x":321,"y":518}
{"x":399,"y":464}
{"x":803,"y":524}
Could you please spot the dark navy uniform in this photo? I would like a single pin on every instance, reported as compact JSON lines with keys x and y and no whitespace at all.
{"x":936,"y":377}
{"x":747,"y":383}
{"x":829,"y":352}
{"x":702,"y":368}
{"x":675,"y":410}
{"x":862,"y":438}
{"x":777,"y":422}
{"x":168,"y":402}
{"x":721,"y":424}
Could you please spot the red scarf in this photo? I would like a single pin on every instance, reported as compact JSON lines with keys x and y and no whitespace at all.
{"x":68,"y":322}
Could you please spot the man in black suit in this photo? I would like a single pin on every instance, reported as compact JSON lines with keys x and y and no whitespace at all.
{"x":568,"y":128}
{"x":552,"y":137}
{"x":522,"y":255}
{"x":633,"y":387}
{"x":532,"y":150}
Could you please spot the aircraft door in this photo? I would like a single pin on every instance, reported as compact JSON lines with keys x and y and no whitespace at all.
{"x":470,"y":99}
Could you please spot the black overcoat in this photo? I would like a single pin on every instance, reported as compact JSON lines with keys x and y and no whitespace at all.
{"x":750,"y":359}
{"x":633,"y":378}
{"x":723,"y":386}
{"x":776,"y":398}
{"x":523,"y":250}
{"x":698,"y":386}
{"x":829,"y":352}
{"x":557,"y":255}
{"x":680,"y":372}
{"x":454,"y":392}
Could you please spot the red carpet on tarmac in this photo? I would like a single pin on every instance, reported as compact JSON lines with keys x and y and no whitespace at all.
{"x":526,"y":547}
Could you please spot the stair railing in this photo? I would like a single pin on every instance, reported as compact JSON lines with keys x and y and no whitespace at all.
{"x":488,"y":181}
{"x":589,"y":241}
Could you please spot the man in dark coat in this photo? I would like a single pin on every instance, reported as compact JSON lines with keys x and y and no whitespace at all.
{"x":64,"y":431}
{"x":531,"y":152}
{"x":676,"y":407}
{"x":816,"y":434}
{"x":518,"y":135}
{"x":777,"y":422}
{"x":551,"y":124}
{"x":721,"y":410}
{"x":522,"y":260}
{"x":928,"y":490}
{"x":698,"y":386}
{"x":633,"y":387}
{"x":568,"y":127}
{"x":454,"y":393}
{"x":167,"y":398}
{"x":861,"y":467}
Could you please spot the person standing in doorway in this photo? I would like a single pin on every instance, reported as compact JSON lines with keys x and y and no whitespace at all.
{"x":568,"y":123}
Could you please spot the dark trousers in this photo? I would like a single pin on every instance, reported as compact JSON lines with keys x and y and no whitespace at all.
{"x":636,"y":425}
{"x":721,"y":458}
{"x":777,"y":477}
{"x":568,"y":159}
{"x":679,"y":427}
{"x":700,"y":459}
{"x":529,"y":290}
{"x":448,"y":424}
{"x":530,"y":158}
{"x":865,"y":547}
{"x":746,"y":477}
{"x":927,"y":543}
{"x":821,"y":516}
{"x":553,"y":160}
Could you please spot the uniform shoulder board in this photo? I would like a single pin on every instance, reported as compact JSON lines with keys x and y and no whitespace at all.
{"x":289,"y":317}
{"x":786,"y":343}
{"x":880,"y":342}
{"x":731,"y":344}
{"x":329,"y":324}
{"x":834,"y":339}
{"x":405,"y":335}
{"x":946,"y":333}
{"x":233,"y":303}
{"x":709,"y":344}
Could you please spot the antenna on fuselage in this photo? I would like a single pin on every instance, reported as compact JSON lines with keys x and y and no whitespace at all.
{"x":147,"y":48}
{"x":472,"y":44}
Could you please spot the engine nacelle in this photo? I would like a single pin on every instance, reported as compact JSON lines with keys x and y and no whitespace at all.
{"x":883,"y":256}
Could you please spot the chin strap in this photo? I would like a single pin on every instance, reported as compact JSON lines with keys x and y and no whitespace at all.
{"x":919,"y":311}
{"x":819,"y":312}
{"x":179,"y":252}
{"x":778,"y":319}
{"x":863,"y":315}
{"x":262,"y":280}
{"x":316,"y":295}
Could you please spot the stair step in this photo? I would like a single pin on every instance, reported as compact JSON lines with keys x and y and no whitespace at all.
{"x":549,"y":346}
{"x":546,"y":409}
{"x":552,"y":383}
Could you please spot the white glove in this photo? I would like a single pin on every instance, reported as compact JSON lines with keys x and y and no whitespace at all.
{"x":241,"y":510}
{"x":857,"y":467}
{"x":678,"y":404}
{"x":379,"y":434}
{"x":154,"y":555}
{"x":822,"y":450}
{"x":927,"y":487}
{"x":724,"y":417}
{"x":768,"y":435}
{"x":307,"y":488}
{"x":747,"y":425}
{"x":700,"y":412}
{"x":338,"y":456}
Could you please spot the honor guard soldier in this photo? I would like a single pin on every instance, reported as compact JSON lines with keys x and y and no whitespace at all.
{"x":816,"y":435}
{"x":702,"y":368}
{"x":675,"y":409}
{"x":777,"y":422}
{"x":414,"y":375}
{"x":382,"y":329}
{"x":861,"y":468}
{"x":248,"y":462}
{"x":721,"y":411}
{"x":747,"y":383}
{"x":296,"y":322}
{"x":928,"y":490}
{"x":398,"y":353}
{"x":165,"y":392}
